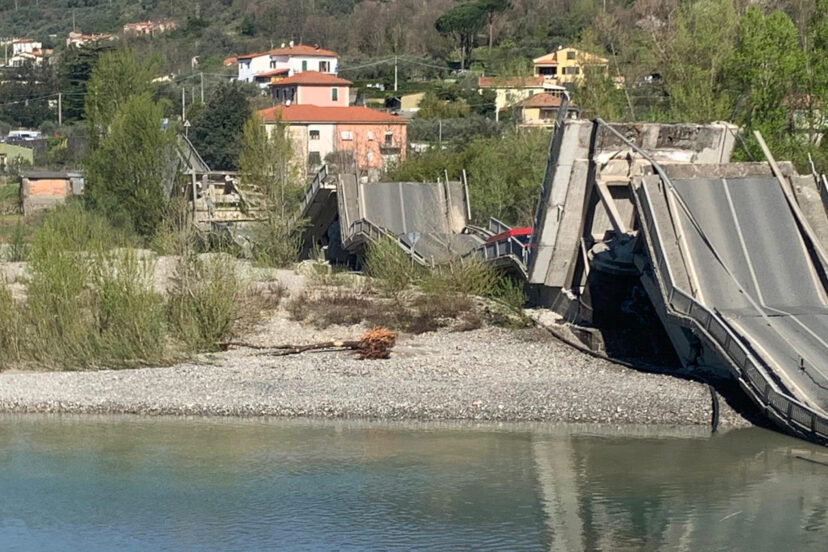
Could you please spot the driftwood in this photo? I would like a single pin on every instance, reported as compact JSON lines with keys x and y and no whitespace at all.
{"x":375,"y":344}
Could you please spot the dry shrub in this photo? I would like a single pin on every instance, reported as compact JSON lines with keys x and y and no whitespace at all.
{"x":10,"y":328}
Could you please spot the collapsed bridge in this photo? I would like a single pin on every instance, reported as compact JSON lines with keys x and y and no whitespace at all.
{"x":731,"y":256}
{"x":639,"y":224}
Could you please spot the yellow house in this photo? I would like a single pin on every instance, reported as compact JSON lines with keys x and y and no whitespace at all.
{"x":566,"y":65}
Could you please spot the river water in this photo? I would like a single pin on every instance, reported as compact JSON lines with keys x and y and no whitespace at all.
{"x":131,"y":483}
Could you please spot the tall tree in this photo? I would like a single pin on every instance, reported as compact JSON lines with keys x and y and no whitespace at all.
{"x":117,"y":76}
{"x":217,"y":130}
{"x":462,"y":23}
{"x":74,"y":71}
{"x":269,"y":171}
{"x":766,"y":67}
{"x":125,"y":173}
{"x":492,"y":8}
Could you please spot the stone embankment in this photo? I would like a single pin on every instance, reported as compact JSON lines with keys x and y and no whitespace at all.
{"x":487,"y":374}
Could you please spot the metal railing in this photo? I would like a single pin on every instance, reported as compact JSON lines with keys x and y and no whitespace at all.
{"x":368,"y":231}
{"x":313,"y":189}
{"x":749,"y":369}
{"x":509,"y":248}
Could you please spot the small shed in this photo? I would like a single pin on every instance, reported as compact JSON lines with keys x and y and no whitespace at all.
{"x":41,"y":190}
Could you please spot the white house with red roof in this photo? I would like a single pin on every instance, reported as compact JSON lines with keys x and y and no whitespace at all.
{"x":377,"y":140}
{"x":286,"y":61}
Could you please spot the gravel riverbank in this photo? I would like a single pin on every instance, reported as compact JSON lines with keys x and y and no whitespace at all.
{"x":486,"y":374}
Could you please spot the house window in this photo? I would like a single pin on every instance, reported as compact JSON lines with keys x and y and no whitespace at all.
{"x":347,"y":135}
{"x":304,"y":65}
{"x":314,"y":158}
{"x":273,"y":64}
{"x":334,"y":94}
{"x":314,"y":135}
{"x":571,"y":70}
{"x":324,"y":66}
{"x":389,"y":139}
{"x":371,"y":135}
{"x":548,"y":70}
{"x":570,"y":54}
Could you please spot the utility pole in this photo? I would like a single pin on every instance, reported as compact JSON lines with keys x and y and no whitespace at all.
{"x":73,"y":21}
{"x":60,"y":109}
{"x":202,"y":86}
{"x":183,"y":103}
{"x":395,"y":73}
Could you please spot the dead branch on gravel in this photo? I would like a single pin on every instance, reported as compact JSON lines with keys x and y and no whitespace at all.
{"x":373,"y":345}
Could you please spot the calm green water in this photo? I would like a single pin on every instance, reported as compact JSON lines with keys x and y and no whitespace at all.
{"x":119,"y":483}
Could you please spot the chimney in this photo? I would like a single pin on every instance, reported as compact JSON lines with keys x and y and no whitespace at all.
{"x":291,"y":44}
{"x":283,"y":44}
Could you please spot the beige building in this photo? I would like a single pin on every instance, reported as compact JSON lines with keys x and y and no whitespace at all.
{"x":511,"y":90}
{"x":541,"y":110}
{"x":566,"y":65}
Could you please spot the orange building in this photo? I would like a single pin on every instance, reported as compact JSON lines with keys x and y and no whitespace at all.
{"x":376,"y":140}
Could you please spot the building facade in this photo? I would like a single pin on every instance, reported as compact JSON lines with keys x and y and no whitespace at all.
{"x":375,"y":140}
{"x":566,"y":65}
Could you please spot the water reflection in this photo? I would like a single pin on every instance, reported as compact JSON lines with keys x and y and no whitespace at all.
{"x":173,"y":484}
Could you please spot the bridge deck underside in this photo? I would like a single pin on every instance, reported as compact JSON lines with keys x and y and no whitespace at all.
{"x":764,"y":282}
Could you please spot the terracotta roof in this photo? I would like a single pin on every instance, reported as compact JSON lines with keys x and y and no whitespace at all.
{"x":232,"y":60}
{"x":541,"y":100}
{"x":510,"y":82}
{"x":548,"y":58}
{"x":320,"y":114}
{"x":312,"y":78}
{"x":302,"y":50}
{"x":298,"y":50}
{"x":273,"y":73}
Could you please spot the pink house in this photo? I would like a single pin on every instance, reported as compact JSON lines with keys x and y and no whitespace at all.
{"x":311,"y":88}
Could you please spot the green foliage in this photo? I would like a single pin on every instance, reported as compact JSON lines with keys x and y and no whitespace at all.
{"x":432,"y":107}
{"x":87,"y":304}
{"x":268,"y":172}
{"x":204,"y":303}
{"x":126,"y":173}
{"x":465,"y":276}
{"x":21,"y":92}
{"x":18,"y":247}
{"x":117,"y":76}
{"x":462,"y":23}
{"x":10,"y":327}
{"x":217,"y":131}
{"x":504,"y":173}
{"x":392,"y":268}
{"x":74,"y":71}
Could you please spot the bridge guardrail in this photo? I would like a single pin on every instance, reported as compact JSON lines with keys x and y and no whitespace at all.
{"x":748,"y":368}
{"x":313,"y":188}
{"x":374,"y":233}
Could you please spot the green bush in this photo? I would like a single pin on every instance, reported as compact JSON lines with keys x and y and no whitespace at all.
{"x":204,"y":303}
{"x":18,"y":247}
{"x":391,"y":267}
{"x":465,"y":276}
{"x":129,"y":314}
{"x":10,"y":329}
{"x":88,"y":304}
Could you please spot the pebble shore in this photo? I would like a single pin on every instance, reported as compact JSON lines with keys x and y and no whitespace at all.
{"x":486,"y":375}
